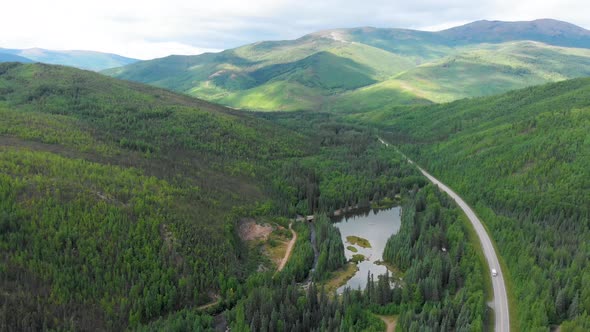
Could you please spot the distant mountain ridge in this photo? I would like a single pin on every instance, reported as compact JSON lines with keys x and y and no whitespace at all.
{"x":547,"y":31}
{"x":550,"y":31}
{"x":89,"y":60}
{"x":7,"y":57}
{"x":369,"y":68}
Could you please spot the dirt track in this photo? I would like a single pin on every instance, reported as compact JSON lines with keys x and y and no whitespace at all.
{"x":289,"y":248}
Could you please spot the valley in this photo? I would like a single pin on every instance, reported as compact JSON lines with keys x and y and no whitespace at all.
{"x":272,"y":186}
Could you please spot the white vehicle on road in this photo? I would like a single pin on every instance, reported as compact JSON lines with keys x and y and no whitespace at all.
{"x":500,"y":304}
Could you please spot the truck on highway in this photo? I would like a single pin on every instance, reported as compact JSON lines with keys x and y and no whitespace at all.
{"x":494,"y":272}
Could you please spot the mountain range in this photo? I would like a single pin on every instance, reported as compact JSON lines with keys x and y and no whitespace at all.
{"x":127,"y":206}
{"x":370,"y":68}
{"x":90,"y":60}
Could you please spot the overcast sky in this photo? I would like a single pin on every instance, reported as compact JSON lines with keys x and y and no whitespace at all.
{"x":154,"y":28}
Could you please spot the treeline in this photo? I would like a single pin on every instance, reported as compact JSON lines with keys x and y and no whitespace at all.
{"x":302,"y":258}
{"x":182,"y":320}
{"x":331,"y":250}
{"x":283,"y":306}
{"x":351,"y":168}
{"x":309,"y":263}
{"x":443,"y":284}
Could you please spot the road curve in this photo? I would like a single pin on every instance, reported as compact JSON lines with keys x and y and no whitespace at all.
{"x":502,"y":322}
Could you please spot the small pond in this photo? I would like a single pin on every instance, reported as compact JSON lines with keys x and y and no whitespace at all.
{"x":376,"y":226}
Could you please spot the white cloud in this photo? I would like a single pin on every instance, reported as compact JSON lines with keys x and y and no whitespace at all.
{"x":148,"y":50}
{"x":155,"y":28}
{"x":443,"y":26}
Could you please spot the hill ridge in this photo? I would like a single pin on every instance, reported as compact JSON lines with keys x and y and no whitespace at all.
{"x":462,"y":62}
{"x":82,"y":59}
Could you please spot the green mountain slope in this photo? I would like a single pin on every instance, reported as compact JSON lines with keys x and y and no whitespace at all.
{"x":117,"y":198}
{"x":521,"y":159}
{"x":490,"y":69}
{"x":478,"y":70}
{"x":288,"y":75}
{"x":308,"y":73}
{"x":120,"y":203}
{"x":367,"y":68}
{"x":80,"y":59}
{"x":416,"y":46}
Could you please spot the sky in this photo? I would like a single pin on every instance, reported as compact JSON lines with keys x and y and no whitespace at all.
{"x":146,"y":29}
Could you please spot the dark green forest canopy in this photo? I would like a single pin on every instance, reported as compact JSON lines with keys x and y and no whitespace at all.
{"x":119,"y":201}
{"x":117,"y":198}
{"x":118,"y":204}
{"x":440,"y":290}
{"x":444,"y":289}
{"x":521,"y":159}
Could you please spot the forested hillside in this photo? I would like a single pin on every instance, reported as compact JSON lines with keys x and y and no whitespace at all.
{"x":117,"y":199}
{"x":444,"y":277}
{"x":482,"y":70}
{"x":120,"y":201}
{"x":521,"y":159}
{"x":440,"y":289}
{"x":362,"y":69}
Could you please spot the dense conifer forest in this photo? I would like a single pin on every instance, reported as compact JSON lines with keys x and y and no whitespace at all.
{"x":521,"y":159}
{"x":120,"y":205}
{"x":445,"y":290}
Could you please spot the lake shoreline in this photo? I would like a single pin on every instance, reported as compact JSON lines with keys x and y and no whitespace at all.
{"x":375,"y":227}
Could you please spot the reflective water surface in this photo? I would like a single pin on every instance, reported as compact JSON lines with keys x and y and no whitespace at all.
{"x":376,"y":226}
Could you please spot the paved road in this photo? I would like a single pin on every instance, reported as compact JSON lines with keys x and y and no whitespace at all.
{"x":502,"y":323}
